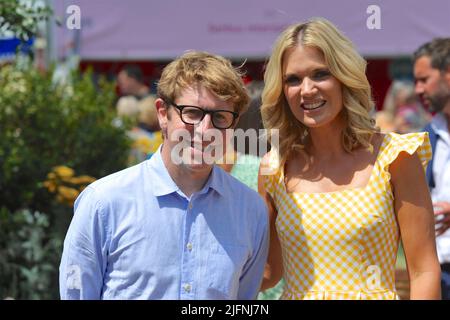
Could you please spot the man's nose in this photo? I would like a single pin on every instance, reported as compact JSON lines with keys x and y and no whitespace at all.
{"x":206,"y":123}
{"x":418,"y":88}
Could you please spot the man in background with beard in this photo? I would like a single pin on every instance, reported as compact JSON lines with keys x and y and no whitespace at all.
{"x":432,"y":74}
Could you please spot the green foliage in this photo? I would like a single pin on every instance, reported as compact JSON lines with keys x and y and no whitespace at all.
{"x":22,"y":17}
{"x":28,"y":259}
{"x":44,"y":125}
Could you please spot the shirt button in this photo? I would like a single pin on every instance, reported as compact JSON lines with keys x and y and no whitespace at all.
{"x":189,"y":246}
{"x":190,"y":205}
{"x":187,"y":287}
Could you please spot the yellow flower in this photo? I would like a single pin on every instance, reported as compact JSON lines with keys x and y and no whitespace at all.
{"x":65,"y":201}
{"x":143,"y":144}
{"x":68,"y":186}
{"x":51,"y":176}
{"x":50,"y":185}
{"x":63,"y":171}
{"x":68,"y":193}
{"x":156,"y":141}
{"x":80,"y":179}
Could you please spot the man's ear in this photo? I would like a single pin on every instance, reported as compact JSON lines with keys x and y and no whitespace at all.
{"x":162,"y":113}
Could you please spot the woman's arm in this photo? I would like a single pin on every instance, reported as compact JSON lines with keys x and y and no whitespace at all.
{"x":274,"y":266}
{"x":415,"y":217}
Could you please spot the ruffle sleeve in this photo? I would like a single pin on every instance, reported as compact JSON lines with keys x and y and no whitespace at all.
{"x":269,"y":171}
{"x":418,"y":142}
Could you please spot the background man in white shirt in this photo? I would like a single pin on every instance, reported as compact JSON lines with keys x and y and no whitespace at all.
{"x":432,"y":73}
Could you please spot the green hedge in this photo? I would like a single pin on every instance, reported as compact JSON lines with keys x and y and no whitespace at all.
{"x":43,"y":126}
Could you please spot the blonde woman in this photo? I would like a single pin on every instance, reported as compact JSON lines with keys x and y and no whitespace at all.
{"x":342,"y":194}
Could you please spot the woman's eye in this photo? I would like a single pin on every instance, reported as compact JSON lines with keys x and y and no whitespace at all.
{"x":321,"y":74}
{"x":292,"y":80}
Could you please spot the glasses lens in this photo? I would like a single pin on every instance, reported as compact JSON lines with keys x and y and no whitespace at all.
{"x":192,"y":115}
{"x":223,"y":119}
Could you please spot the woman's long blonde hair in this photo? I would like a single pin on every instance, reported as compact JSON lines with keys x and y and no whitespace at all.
{"x":344,"y":63}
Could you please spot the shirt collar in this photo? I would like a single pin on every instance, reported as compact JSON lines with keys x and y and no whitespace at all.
{"x":160,"y":176}
{"x":166,"y":185}
{"x":439,"y":124}
{"x":215,"y":181}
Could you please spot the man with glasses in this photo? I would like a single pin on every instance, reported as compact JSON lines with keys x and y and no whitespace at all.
{"x":171,"y":229}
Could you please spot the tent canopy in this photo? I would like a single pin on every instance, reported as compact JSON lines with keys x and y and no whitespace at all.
{"x":142,"y":29}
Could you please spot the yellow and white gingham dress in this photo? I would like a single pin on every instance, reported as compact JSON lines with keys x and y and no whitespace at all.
{"x":343,"y":244}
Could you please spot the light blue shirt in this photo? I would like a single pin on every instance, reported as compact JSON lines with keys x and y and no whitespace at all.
{"x":135,"y":235}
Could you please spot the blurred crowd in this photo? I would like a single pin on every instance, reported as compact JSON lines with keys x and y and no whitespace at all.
{"x":402,"y":110}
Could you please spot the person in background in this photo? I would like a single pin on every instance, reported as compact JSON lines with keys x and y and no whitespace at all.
{"x":339,"y":193}
{"x":145,"y":133}
{"x":432,"y":73}
{"x":131,"y":82}
{"x":402,"y":111}
{"x":171,"y":229}
{"x":132,"y":90}
{"x":244,"y":165}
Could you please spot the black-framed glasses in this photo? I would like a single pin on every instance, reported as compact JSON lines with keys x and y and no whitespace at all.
{"x":221,"y":119}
